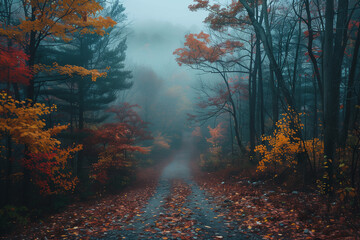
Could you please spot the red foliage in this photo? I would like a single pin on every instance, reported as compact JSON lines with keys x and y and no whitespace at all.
{"x":49,"y":171}
{"x":353,"y":23}
{"x":199,"y":4}
{"x":127,"y":115}
{"x":114,"y":142}
{"x":315,"y":34}
{"x":13,"y":66}
{"x":117,"y":137}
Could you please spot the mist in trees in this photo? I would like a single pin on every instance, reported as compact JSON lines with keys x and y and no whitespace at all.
{"x":295,"y":56}
{"x":89,"y":97}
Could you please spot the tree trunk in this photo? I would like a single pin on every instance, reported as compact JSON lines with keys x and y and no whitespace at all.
{"x":260,"y":90}
{"x":349,"y":101}
{"x":274,"y":98}
{"x":31,"y":51}
{"x":252,"y":102}
{"x":330,"y":102}
{"x":9,"y":170}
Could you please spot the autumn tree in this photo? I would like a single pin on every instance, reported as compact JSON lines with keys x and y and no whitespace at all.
{"x":45,"y":159}
{"x":117,"y":141}
{"x":106,"y":53}
{"x":200,"y":53}
{"x":44,"y":19}
{"x":305,"y":54}
{"x":13,"y":67}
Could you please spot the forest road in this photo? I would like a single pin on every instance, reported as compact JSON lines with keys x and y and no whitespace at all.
{"x":179,"y":209}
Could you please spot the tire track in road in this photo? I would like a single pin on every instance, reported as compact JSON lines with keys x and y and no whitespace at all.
{"x":206,"y":218}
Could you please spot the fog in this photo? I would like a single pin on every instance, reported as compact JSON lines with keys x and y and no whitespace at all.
{"x":171,"y":11}
{"x":161,"y":87}
{"x":152,"y":44}
{"x":156,"y":29}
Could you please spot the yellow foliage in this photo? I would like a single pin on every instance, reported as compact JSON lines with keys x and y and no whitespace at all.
{"x":22,"y":121}
{"x":69,"y":70}
{"x":279,"y":150}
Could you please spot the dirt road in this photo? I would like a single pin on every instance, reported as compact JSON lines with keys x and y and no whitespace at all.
{"x":179,"y":210}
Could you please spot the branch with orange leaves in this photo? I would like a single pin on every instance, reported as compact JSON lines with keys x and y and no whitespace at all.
{"x":198,"y":49}
{"x":70,"y":70}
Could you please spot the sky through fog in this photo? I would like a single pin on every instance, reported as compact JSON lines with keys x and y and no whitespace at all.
{"x":156,"y":29}
{"x":171,"y":11}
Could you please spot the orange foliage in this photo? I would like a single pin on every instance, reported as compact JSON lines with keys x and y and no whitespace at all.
{"x":59,"y":18}
{"x":231,"y":14}
{"x":216,"y":140}
{"x":22,"y":121}
{"x":69,"y":70}
{"x":279,"y":150}
{"x":217,"y":135}
{"x":198,"y":49}
{"x":47,"y":162}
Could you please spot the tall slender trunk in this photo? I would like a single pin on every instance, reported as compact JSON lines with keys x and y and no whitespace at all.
{"x":260,"y":90}
{"x":274,"y":98}
{"x":30,"y":94}
{"x":310,"y":50}
{"x":232,"y":138}
{"x":31,"y":51}
{"x":234,"y":115}
{"x":9,"y":169}
{"x":315,"y":124}
{"x":81,"y":109}
{"x":350,"y":90}
{"x":330,"y":102}
{"x":252,"y":101}
{"x":266,"y":40}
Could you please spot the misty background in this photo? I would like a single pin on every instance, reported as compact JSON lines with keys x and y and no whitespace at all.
{"x":162,"y":88}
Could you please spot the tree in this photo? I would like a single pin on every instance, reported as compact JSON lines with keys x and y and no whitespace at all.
{"x":334,"y":49}
{"x":45,"y":159}
{"x":200,"y":53}
{"x":51,"y":18}
{"x":71,"y":82}
{"x":13,"y":68}
{"x":115,"y":141}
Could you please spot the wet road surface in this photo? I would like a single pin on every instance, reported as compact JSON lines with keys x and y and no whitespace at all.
{"x":207,"y":221}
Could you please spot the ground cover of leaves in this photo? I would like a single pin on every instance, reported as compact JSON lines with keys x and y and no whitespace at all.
{"x":274,"y":212}
{"x":91,"y":219}
{"x":175,"y":222}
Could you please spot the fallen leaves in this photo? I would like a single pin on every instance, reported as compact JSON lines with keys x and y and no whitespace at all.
{"x":83,"y":220}
{"x":176,"y":221}
{"x":275,"y":213}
